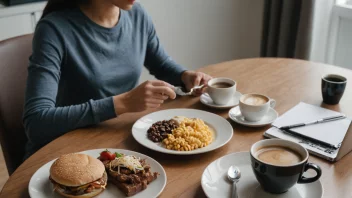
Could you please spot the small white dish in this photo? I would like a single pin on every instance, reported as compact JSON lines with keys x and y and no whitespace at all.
{"x":236,"y":116}
{"x":206,"y":100}
{"x":215,"y":182}
{"x":41,"y":187}
{"x":223,"y":130}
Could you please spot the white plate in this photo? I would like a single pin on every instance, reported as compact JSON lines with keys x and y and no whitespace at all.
{"x":215,"y":183}
{"x":222,"y":129}
{"x":206,"y":100}
{"x":236,"y":116}
{"x":41,"y":187}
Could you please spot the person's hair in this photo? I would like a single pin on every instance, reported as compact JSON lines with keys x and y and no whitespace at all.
{"x":56,"y":5}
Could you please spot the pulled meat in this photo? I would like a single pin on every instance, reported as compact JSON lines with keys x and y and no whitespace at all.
{"x":80,"y":190}
{"x":127,"y":176}
{"x":128,"y":181}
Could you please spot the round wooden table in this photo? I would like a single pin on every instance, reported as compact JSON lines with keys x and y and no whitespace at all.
{"x":286,"y":80}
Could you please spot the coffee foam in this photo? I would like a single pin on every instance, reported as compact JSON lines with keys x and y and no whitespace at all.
{"x":255,"y":100}
{"x":280,"y":156}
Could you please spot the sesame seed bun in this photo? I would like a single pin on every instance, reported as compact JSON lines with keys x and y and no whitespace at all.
{"x":76,"y":169}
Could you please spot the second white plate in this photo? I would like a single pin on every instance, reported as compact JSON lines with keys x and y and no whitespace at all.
{"x":223,"y":130}
{"x":41,"y":187}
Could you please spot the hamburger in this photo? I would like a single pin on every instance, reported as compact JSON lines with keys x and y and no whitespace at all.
{"x":78,"y":176}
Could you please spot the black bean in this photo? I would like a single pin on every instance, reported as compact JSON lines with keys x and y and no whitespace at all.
{"x":160,"y":130}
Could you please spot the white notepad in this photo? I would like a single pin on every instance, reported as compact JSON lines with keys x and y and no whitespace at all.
{"x":331,"y":133}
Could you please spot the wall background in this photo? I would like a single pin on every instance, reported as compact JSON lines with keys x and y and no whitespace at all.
{"x":202,"y":32}
{"x":194,"y":32}
{"x":331,"y":38}
{"x":321,"y":22}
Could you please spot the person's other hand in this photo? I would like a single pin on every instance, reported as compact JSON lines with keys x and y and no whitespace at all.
{"x":149,"y":95}
{"x":192,"y":79}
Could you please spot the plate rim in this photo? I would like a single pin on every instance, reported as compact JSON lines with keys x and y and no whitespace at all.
{"x":206,"y":168}
{"x":253,"y":125}
{"x":194,"y":152}
{"x":238,"y":153}
{"x":220,"y":107}
{"x":92,"y":150}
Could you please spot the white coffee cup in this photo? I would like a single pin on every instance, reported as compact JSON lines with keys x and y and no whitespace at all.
{"x":221,"y":90}
{"x":254,"y":106}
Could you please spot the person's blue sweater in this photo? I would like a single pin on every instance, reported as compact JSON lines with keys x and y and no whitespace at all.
{"x":77,"y":66}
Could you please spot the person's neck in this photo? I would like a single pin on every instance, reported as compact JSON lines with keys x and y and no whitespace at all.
{"x":104,"y":14}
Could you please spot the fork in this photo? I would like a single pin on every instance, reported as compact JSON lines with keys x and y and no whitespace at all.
{"x":180,"y":90}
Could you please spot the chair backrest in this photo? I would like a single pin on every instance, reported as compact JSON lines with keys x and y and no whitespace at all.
{"x":14,"y":56}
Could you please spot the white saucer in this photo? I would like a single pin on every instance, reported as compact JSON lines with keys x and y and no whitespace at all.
{"x":236,"y":116}
{"x":215,"y":183}
{"x":206,"y":100}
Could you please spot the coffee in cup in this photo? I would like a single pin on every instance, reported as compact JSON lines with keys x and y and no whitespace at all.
{"x":221,"y":90}
{"x":279,"y":164}
{"x":254,"y":106}
{"x":222,"y":85}
{"x":278,"y":155}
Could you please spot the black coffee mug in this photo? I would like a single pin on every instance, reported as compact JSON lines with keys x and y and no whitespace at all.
{"x":332,"y":88}
{"x":279,"y":178}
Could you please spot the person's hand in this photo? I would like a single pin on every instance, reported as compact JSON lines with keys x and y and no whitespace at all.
{"x":192,"y":79}
{"x":149,"y":95}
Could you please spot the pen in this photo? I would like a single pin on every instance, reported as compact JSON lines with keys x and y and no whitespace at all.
{"x":315,"y":141}
{"x":323,"y":120}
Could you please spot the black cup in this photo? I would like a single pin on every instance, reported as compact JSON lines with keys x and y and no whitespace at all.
{"x":332,"y":88}
{"x":278,"y":178}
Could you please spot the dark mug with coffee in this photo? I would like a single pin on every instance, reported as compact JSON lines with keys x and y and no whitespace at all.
{"x":332,"y":88}
{"x":279,"y":164}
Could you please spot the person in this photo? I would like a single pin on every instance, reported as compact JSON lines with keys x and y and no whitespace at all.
{"x":86,"y":63}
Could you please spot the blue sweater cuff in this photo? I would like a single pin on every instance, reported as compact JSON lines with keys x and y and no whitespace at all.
{"x":174,"y":73}
{"x":103,"y":109}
